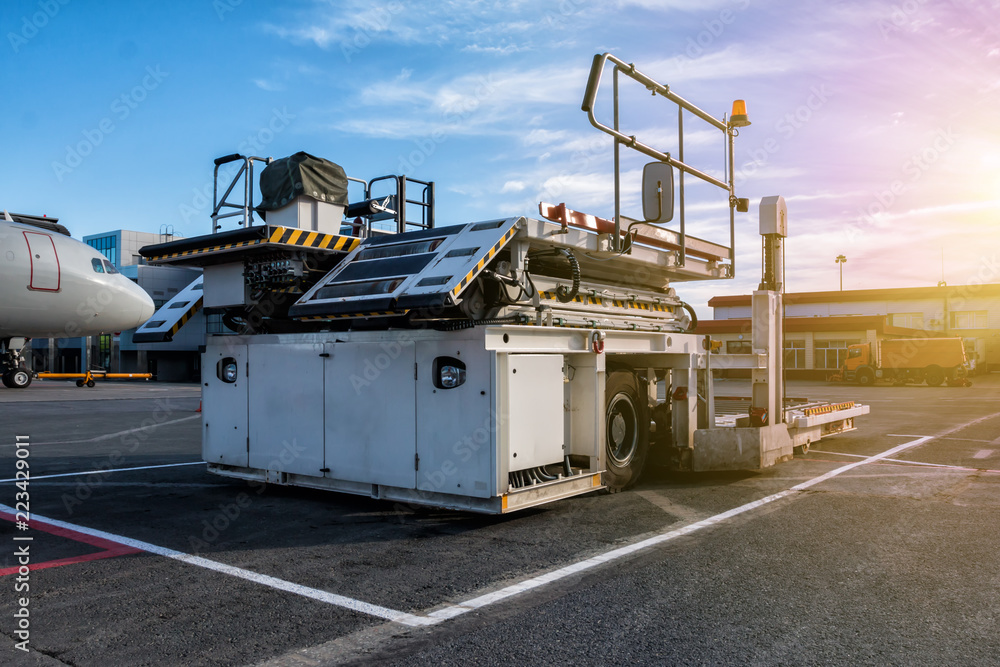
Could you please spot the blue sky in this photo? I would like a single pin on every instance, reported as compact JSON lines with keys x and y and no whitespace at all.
{"x":877,"y":121}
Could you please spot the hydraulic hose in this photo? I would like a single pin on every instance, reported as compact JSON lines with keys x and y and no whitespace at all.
{"x":566,"y":295}
{"x":694,"y":316}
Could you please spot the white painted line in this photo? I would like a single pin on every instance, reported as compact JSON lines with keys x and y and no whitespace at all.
{"x":241,"y":573}
{"x":102,"y":472}
{"x":903,"y":461}
{"x":118,"y":434}
{"x":984,"y":454}
{"x":516,"y":589}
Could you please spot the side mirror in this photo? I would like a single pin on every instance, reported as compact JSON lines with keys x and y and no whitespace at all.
{"x":658,"y":192}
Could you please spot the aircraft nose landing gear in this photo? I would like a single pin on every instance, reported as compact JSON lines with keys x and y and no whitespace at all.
{"x":15,"y":375}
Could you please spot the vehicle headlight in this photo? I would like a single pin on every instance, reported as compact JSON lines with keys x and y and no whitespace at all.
{"x":448,"y":373}
{"x":226,"y":370}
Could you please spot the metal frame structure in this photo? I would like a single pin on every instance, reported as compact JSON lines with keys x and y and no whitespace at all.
{"x":656,"y":88}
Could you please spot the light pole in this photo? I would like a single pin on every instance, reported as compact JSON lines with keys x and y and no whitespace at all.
{"x":841,"y":260}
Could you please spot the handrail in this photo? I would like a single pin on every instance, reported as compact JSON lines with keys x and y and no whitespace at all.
{"x":630,"y":141}
{"x":246,"y":209}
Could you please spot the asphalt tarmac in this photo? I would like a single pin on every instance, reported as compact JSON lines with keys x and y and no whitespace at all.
{"x":876,"y":547}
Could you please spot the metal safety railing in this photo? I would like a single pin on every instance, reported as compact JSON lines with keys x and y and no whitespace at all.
{"x":244,"y":209}
{"x":727,"y":127}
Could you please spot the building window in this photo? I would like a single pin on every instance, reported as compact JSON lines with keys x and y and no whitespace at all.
{"x":738,"y":347}
{"x":795,"y":354}
{"x":968,"y":319}
{"x":214,"y":324}
{"x":907,"y":320}
{"x":832,"y":353}
{"x":108,"y":245}
{"x":104,"y":351}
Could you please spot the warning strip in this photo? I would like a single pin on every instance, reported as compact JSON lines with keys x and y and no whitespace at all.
{"x":195,"y":307}
{"x":826,"y":409}
{"x":280,"y":235}
{"x":590,"y":300}
{"x":483,"y":261}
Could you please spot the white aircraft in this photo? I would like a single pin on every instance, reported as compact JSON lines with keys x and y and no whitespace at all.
{"x":52,"y":286}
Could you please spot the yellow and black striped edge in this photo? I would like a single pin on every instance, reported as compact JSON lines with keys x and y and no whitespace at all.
{"x":281,"y":235}
{"x":195,"y":307}
{"x":345,"y":316}
{"x":484,"y":260}
{"x":301,"y":237}
{"x":617,"y":303}
{"x":826,"y":409}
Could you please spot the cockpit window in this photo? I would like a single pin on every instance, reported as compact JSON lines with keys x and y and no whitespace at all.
{"x":98,"y":266}
{"x":109,"y":267}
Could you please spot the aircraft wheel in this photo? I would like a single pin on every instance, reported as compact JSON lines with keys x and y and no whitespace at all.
{"x":17,"y":379}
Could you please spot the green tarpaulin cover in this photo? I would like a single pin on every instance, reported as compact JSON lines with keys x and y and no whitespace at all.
{"x":302,"y":174}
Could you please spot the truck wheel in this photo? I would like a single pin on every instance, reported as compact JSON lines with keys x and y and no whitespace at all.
{"x":626,"y":431}
{"x":866,"y":377}
{"x":934,"y":376}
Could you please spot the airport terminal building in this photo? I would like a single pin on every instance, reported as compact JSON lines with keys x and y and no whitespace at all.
{"x":819,"y":326}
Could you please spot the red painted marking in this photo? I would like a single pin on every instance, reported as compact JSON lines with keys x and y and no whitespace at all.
{"x":108,"y":549}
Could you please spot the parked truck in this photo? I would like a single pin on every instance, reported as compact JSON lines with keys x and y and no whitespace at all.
{"x":903,"y":360}
{"x":487,"y":366}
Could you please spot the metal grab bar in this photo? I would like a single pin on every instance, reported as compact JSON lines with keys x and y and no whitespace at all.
{"x":628,"y":69}
{"x":246,"y":209}
{"x":727,"y":128}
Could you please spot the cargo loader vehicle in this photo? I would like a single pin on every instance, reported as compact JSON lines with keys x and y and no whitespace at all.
{"x":489,"y":366}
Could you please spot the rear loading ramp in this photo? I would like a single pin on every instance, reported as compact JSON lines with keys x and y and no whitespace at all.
{"x":174,"y":314}
{"x":393,"y":274}
{"x":434,"y":269}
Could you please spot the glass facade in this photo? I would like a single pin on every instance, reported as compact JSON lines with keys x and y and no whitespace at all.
{"x":795,"y":354}
{"x":831,"y":353}
{"x":108,"y":245}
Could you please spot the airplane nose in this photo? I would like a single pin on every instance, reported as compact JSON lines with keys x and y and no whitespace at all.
{"x":146,"y":309}
{"x":145,"y":306}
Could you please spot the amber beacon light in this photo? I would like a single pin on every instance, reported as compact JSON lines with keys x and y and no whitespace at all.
{"x":739,"y":116}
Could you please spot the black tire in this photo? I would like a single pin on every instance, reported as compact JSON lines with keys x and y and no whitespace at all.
{"x":79,"y":383}
{"x":17,"y":379}
{"x":934,"y":376}
{"x":866,"y":377}
{"x":626,"y":431}
{"x":91,"y":383}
